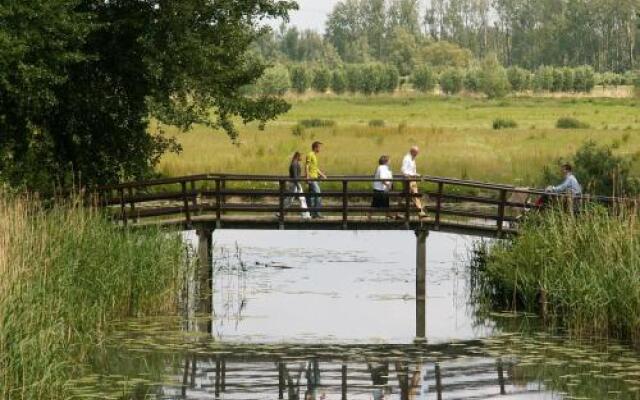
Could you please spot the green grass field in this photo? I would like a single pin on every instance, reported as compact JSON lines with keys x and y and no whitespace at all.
{"x":456,"y":136}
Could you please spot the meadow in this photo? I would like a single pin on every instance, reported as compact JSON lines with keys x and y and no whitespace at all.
{"x":455,"y":133}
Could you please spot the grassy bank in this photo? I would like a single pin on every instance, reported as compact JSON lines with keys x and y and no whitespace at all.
{"x":456,"y":134}
{"x":585,"y":271}
{"x":65,"y":273}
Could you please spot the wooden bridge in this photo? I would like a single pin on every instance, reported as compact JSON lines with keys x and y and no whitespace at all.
{"x":210,"y":202}
{"x":260,"y":202}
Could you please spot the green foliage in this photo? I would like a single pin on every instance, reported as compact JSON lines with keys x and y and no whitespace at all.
{"x":584,"y":79}
{"x":571,"y":123}
{"x":321,"y":79}
{"x":586,"y":266}
{"x":390,"y":79}
{"x":79,"y":82}
{"x":543,"y":79}
{"x":568,"y":80}
{"x":67,"y":273}
{"x":339,"y":81}
{"x":493,"y":78}
{"x":504,"y":123}
{"x":274,"y":82}
{"x":424,"y":79}
{"x":519,"y":79}
{"x":317,"y":123}
{"x":354,"y":77}
{"x":377,"y":123}
{"x":298,"y":131}
{"x":600,"y":170}
{"x":473,"y":80}
{"x":636,"y":84}
{"x":300,"y":79}
{"x":442,"y":54}
{"x":451,"y":81}
{"x":402,"y":50}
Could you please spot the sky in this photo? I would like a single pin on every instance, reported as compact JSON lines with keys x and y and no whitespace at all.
{"x":312,"y":14}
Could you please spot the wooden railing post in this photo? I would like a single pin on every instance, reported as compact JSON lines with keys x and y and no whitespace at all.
{"x":344,"y":382}
{"x":132,"y":204}
{"x":194,"y":200}
{"x":439,"y":204}
{"x":281,"y":198}
{"x":407,"y":202}
{"x":123,"y":207}
{"x":501,"y":210}
{"x":345,"y":204}
{"x":185,"y":202}
{"x":218,"y":203}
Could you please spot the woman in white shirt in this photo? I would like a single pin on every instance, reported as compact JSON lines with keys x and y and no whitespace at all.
{"x":382,"y":186}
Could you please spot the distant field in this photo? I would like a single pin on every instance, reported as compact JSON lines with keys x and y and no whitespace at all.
{"x":456,"y":135}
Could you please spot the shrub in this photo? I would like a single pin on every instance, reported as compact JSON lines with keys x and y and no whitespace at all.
{"x":543,"y":79}
{"x":472,"y":80}
{"x":600,"y":171}
{"x":424,"y":79}
{"x":519,"y":79}
{"x":300,"y":79}
{"x":317,"y":123}
{"x":571,"y":123}
{"x":584,"y":79}
{"x":389,"y":79}
{"x":321,"y":80}
{"x":636,"y":84}
{"x":493,"y":78}
{"x":354,"y":78}
{"x":377,"y":123}
{"x":274,"y":82}
{"x":504,"y":123}
{"x":558,"y":80}
{"x":568,"y":79}
{"x":451,"y":81}
{"x":339,"y":81}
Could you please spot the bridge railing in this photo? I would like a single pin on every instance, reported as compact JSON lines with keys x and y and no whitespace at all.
{"x":346,"y":201}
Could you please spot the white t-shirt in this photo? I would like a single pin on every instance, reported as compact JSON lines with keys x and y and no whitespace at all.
{"x":409,"y":166}
{"x":383,"y":172}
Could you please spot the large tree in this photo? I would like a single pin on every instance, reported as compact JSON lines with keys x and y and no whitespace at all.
{"x":80,"y":79}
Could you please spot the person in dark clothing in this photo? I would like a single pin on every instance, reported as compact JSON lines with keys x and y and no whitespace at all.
{"x":294,"y":186}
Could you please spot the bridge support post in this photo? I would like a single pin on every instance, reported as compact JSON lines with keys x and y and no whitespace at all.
{"x":421,"y":284}
{"x":205,"y":271}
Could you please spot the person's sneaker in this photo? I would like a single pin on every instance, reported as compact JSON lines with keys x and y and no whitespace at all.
{"x":318,"y":216}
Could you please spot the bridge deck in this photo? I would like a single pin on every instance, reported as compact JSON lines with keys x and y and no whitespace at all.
{"x":264,"y":202}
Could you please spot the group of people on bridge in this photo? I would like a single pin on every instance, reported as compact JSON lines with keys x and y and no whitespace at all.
{"x":382,"y":182}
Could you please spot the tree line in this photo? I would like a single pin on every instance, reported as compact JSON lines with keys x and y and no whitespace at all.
{"x":488,"y":77}
{"x":526,"y":33}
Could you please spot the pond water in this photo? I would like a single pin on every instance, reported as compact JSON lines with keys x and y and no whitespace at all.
{"x":331,"y":315}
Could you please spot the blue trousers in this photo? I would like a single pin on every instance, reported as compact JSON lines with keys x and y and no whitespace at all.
{"x":315,"y":201}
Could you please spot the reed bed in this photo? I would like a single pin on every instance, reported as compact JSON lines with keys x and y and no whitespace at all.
{"x":580,"y":272}
{"x":65,"y":273}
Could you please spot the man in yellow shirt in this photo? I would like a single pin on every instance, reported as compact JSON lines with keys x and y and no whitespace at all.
{"x":314,"y":173}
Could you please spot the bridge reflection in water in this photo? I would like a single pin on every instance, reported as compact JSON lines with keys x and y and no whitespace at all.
{"x":348,"y":372}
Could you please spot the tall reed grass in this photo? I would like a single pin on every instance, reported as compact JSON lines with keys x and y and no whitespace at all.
{"x":65,"y":273}
{"x":582,"y":271}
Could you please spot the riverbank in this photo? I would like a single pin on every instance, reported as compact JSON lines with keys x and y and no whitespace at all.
{"x":580,"y":273}
{"x":65,"y":273}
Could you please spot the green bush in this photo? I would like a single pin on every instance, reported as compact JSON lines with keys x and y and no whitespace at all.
{"x":568,"y":79}
{"x":274,"y":82}
{"x":472,"y":81}
{"x":354,"y":77}
{"x":377,"y":123}
{"x":452,"y":80}
{"x":321,"y":79}
{"x":504,"y":123}
{"x":571,"y":123}
{"x":519,"y":79}
{"x":543,"y":79}
{"x":300,"y":79}
{"x":584,"y":79}
{"x":317,"y":123}
{"x":424,"y":79}
{"x":636,"y":84}
{"x":493,"y":78}
{"x":339,"y":81}
{"x":298,"y":131}
{"x":600,"y":171}
{"x":389,"y":79}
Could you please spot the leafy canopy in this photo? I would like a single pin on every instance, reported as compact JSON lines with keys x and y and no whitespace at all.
{"x":80,"y":79}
